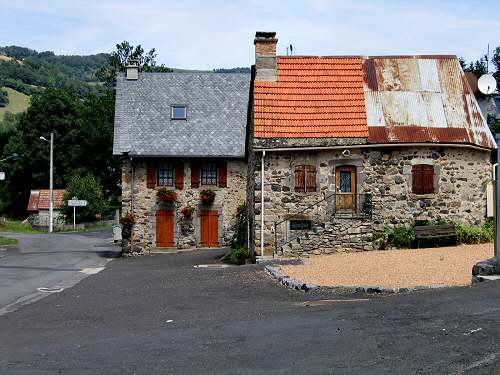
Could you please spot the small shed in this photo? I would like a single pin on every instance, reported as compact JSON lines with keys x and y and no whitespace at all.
{"x":39,"y":204}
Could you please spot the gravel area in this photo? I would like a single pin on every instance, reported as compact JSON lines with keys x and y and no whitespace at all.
{"x":393,"y":268}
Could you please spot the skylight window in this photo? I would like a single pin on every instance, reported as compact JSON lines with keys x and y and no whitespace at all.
{"x":179,"y":112}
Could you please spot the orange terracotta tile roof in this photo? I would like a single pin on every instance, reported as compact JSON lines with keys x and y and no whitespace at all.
{"x":40,"y":199}
{"x":314,"y":97}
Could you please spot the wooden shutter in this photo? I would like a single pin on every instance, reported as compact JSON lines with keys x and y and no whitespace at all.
{"x":179,"y":175}
{"x":428,"y":179}
{"x":310,"y":171}
{"x":299,"y":178}
{"x":222,"y":174}
{"x":205,"y":228}
{"x":195,"y":174}
{"x":151,"y":174}
{"x":423,"y":179}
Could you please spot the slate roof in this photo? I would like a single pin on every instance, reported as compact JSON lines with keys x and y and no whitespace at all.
{"x":314,"y":97}
{"x":216,"y":122}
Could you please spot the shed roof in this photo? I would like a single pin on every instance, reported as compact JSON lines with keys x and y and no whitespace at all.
{"x":40,"y":199}
{"x":217,"y":106}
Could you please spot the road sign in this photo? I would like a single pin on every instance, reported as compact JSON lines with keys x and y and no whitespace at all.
{"x":77,"y":203}
{"x":2,"y":176}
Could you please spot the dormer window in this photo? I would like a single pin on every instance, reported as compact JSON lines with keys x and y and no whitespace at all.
{"x":179,"y":112}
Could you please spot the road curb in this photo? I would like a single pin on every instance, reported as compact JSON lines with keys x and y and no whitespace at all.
{"x":275,"y":271}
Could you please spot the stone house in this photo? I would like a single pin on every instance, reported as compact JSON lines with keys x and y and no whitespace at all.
{"x":342,"y":147}
{"x":39,"y":205}
{"x":183,"y":132}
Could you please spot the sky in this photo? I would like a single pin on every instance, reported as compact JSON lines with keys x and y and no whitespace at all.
{"x":207,"y":34}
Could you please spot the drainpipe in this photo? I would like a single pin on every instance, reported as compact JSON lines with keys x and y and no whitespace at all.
{"x":497,"y":204}
{"x":262,"y":203}
{"x":132,"y":186}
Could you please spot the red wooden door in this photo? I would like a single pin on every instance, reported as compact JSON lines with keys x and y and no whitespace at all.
{"x":209,"y":228}
{"x":165,"y":228}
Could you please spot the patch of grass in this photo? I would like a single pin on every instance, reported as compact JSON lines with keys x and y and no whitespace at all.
{"x":18,"y":102}
{"x":236,"y":256}
{"x":7,"y":241}
{"x":17,"y":227}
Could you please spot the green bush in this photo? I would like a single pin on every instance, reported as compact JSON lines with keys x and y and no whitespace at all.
{"x":471,"y":234}
{"x":239,"y":238}
{"x":236,"y":256}
{"x":400,"y":237}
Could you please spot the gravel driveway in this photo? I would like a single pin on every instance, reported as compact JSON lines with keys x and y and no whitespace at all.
{"x":393,"y":268}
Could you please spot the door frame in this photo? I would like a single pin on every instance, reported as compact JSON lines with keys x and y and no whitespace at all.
{"x":338,"y":194}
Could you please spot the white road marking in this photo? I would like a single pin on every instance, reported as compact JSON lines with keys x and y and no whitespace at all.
{"x":50,"y":290}
{"x":91,"y":271}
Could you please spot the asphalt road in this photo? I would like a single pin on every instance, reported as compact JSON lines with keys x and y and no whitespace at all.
{"x":160,"y":315}
{"x":49,"y":261}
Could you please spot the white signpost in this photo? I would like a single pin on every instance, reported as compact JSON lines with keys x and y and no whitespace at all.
{"x":76,"y":203}
{"x":2,"y":176}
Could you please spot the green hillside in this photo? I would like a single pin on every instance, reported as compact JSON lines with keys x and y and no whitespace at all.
{"x":18,"y":102}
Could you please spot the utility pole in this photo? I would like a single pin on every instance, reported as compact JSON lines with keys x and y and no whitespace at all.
{"x":51,"y":184}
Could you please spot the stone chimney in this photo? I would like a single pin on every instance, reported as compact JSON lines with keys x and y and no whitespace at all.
{"x":132,"y":70}
{"x":266,"y":68}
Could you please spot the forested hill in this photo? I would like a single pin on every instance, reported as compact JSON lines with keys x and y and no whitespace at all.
{"x":28,"y":71}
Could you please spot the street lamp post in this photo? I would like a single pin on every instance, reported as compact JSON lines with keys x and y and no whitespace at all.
{"x":51,"y":181}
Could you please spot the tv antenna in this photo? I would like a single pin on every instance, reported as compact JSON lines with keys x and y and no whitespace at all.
{"x":289,"y":48}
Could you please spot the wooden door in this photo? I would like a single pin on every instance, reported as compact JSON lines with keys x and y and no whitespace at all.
{"x":209,"y":228}
{"x":346,"y":188}
{"x":165,"y":228}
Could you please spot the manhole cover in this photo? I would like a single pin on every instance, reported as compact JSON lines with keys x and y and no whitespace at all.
{"x":216,"y":266}
{"x":50,"y":290}
{"x":323,"y":302}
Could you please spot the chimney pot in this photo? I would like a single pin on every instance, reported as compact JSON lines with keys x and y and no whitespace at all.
{"x":132,"y":70}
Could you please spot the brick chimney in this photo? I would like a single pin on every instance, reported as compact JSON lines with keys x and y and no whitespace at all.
{"x":132,"y":70}
{"x":265,"y":56}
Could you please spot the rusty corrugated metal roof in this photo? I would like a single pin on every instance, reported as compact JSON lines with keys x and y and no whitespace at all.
{"x":422,"y":99}
{"x":33,"y":201}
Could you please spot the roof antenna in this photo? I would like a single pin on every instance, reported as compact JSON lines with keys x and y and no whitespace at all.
{"x":287,"y":50}
{"x":291,"y":49}
{"x":487,"y":59}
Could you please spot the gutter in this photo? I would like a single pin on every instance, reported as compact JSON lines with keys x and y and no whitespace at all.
{"x":343,"y":147}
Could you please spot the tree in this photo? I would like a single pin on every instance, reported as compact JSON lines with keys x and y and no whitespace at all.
{"x":126,"y":53}
{"x":496,"y":61}
{"x":58,"y":111}
{"x":4,"y":99}
{"x":478,"y":68}
{"x":88,"y":188}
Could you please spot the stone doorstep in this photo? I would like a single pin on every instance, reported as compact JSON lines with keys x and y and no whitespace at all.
{"x":174,"y":250}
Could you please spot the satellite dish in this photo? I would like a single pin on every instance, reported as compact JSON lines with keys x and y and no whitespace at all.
{"x":487,"y":84}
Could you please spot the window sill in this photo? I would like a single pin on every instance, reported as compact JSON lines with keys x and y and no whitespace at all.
{"x":422,"y":196}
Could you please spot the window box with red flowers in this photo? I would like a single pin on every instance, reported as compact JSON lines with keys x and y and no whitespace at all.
{"x":207,"y":196}
{"x":166,"y":195}
{"x":127,"y":221}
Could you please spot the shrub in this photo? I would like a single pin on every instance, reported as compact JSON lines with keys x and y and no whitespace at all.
{"x":88,"y":188}
{"x":472,"y":234}
{"x":239,"y":238}
{"x":236,"y":256}
{"x":400,"y":237}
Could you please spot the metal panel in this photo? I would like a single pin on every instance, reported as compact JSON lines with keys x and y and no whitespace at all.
{"x":429,"y":77}
{"x":374,"y":112}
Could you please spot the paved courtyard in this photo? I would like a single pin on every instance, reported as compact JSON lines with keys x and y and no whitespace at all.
{"x":161,"y":315}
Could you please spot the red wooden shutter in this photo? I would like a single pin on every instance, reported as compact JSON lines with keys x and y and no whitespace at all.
{"x":416,"y":179}
{"x":299,"y":178}
{"x":151,"y":174}
{"x":179,"y":175}
{"x":310,"y":178}
{"x":428,"y":179}
{"x":213,"y":228}
{"x":205,"y":228}
{"x":195,"y":175}
{"x":222,"y":174}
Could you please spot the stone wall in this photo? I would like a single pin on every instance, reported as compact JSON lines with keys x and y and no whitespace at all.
{"x":186,"y":232}
{"x":461,"y":175}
